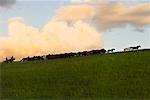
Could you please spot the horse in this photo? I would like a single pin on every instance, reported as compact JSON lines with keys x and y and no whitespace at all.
{"x":101,"y":51}
{"x":26,"y":59}
{"x":127,"y":49}
{"x":33,"y":58}
{"x":135,"y":48}
{"x":37,"y":58}
{"x":110,"y":50}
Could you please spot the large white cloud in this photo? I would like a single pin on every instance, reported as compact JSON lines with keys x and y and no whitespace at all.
{"x":54,"y":37}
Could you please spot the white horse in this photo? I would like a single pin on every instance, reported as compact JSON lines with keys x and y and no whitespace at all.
{"x":127,"y":49}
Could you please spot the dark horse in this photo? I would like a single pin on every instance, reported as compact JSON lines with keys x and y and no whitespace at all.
{"x":26,"y":59}
{"x":33,"y":58}
{"x":9,"y":60}
{"x":111,"y":50}
{"x":135,"y":48}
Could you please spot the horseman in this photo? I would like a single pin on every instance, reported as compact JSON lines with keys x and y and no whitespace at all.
{"x":9,"y":60}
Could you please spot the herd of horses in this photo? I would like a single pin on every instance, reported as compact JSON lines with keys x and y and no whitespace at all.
{"x":68,"y":55}
{"x":64,"y":55}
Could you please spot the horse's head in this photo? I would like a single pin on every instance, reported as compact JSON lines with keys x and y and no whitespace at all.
{"x":139,"y":46}
{"x":113,"y":49}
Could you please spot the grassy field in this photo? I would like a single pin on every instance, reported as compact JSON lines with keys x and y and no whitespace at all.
{"x":109,"y":76}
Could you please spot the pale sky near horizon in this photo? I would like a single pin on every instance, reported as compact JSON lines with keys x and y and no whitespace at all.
{"x":38,"y":13}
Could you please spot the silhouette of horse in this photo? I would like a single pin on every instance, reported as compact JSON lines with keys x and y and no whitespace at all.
{"x":110,"y":50}
{"x":101,"y":51}
{"x":33,"y":58}
{"x":26,"y":59}
{"x":135,"y":48}
{"x":37,"y":58}
{"x":9,"y":60}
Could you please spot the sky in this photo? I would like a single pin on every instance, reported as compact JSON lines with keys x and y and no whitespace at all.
{"x":37,"y":27}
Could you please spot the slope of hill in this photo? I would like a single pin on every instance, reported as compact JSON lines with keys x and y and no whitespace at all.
{"x":108,"y":76}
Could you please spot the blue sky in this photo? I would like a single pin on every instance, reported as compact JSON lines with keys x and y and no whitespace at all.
{"x":34,"y":13}
{"x":37,"y":13}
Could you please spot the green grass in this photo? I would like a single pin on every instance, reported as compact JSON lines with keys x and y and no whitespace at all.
{"x":109,"y":76}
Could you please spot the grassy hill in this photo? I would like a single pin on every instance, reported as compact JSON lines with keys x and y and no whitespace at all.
{"x":108,"y":76}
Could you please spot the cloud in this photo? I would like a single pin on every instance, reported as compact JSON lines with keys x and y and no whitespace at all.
{"x":107,"y":16}
{"x":55,"y":37}
{"x":109,"y":1}
{"x":7,"y":3}
{"x":1,"y":21}
{"x":75,"y":12}
{"x":118,"y":15}
{"x":81,"y":1}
